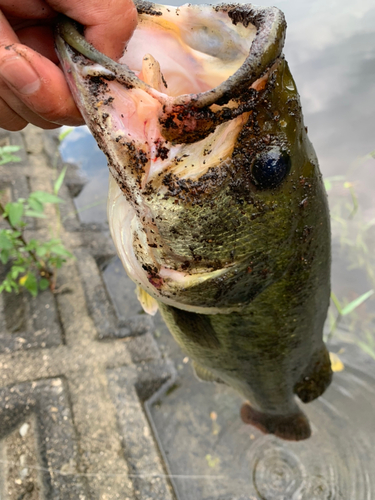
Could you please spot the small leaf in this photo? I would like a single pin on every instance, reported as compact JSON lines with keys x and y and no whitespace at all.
{"x":41,"y":251}
{"x":15,"y":212}
{"x":57,"y":262}
{"x":59,"y":180}
{"x":60,"y":250}
{"x":43,"y":283}
{"x":53,"y":241}
{"x":64,"y":133}
{"x":5,"y":242}
{"x":44,"y":197}
{"x":32,"y":213}
{"x":336,"y":302}
{"x":31,"y":284}
{"x":4,"y":256}
{"x":20,"y":269}
{"x":15,"y":271}
{"x":327,"y":185}
{"x":32,"y":244}
{"x":35,"y":204}
{"x":6,"y":158}
{"x":9,"y":149}
{"x":355,"y":303}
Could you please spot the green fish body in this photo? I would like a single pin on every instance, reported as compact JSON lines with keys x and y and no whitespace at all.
{"x":216,"y":202}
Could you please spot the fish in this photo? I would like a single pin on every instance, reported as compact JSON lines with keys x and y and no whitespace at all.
{"x":216,"y":202}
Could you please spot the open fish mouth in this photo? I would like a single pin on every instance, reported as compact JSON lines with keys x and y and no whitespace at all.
{"x":168,"y":116}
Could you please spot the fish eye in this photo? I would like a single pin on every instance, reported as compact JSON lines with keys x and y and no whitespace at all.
{"x":270,"y":168}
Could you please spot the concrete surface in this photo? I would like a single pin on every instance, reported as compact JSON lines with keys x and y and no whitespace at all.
{"x":75,"y":369}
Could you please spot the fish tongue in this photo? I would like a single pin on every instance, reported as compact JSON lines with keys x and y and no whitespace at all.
{"x":151,"y":73}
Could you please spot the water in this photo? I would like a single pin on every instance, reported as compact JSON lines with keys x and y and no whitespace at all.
{"x":330,"y":48}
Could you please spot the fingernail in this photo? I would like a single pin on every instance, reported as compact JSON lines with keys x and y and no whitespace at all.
{"x":19,"y":74}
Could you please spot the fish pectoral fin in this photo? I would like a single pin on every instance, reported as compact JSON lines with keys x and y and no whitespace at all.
{"x":149,"y":304}
{"x":191,"y":328}
{"x":205,"y":375}
{"x":292,"y":427}
{"x":316,"y":377}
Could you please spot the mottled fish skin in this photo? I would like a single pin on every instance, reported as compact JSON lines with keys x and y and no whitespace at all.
{"x":237,"y":257}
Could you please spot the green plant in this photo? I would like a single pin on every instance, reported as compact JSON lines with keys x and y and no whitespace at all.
{"x":353,"y":234}
{"x":32,"y":264}
{"x":349,"y":308}
{"x":6,"y":155}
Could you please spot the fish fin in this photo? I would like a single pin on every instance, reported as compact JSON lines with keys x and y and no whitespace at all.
{"x":316,"y":378}
{"x":205,"y":375}
{"x":192,"y":328}
{"x":292,"y":427}
{"x":149,"y":304}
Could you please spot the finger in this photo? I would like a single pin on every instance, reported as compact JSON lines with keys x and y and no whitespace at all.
{"x":15,"y":114}
{"x":37,"y":9}
{"x":9,"y":119}
{"x":39,"y":38}
{"x":39,"y":84}
{"x":109,"y":25}
{"x":7,"y":35}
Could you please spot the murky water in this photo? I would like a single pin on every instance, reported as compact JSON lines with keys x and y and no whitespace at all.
{"x":331,"y":51}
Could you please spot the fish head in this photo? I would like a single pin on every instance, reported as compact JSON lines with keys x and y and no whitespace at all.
{"x":211,"y":168}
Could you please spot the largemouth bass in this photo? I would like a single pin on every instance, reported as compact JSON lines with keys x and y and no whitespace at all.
{"x":216,"y":203}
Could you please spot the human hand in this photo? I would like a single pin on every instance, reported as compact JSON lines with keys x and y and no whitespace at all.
{"x":32,"y":86}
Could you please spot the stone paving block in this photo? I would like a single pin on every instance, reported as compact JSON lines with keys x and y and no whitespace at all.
{"x":114,"y":308}
{"x":50,"y":141}
{"x":34,"y":141}
{"x":129,"y":388}
{"x":73,"y":181}
{"x":100,"y":245}
{"x":17,"y":139}
{"x":100,"y":308}
{"x":121,"y":290}
{"x":4,"y":137}
{"x":142,"y":348}
{"x":27,"y":322}
{"x":39,"y":450}
{"x":14,"y":176}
